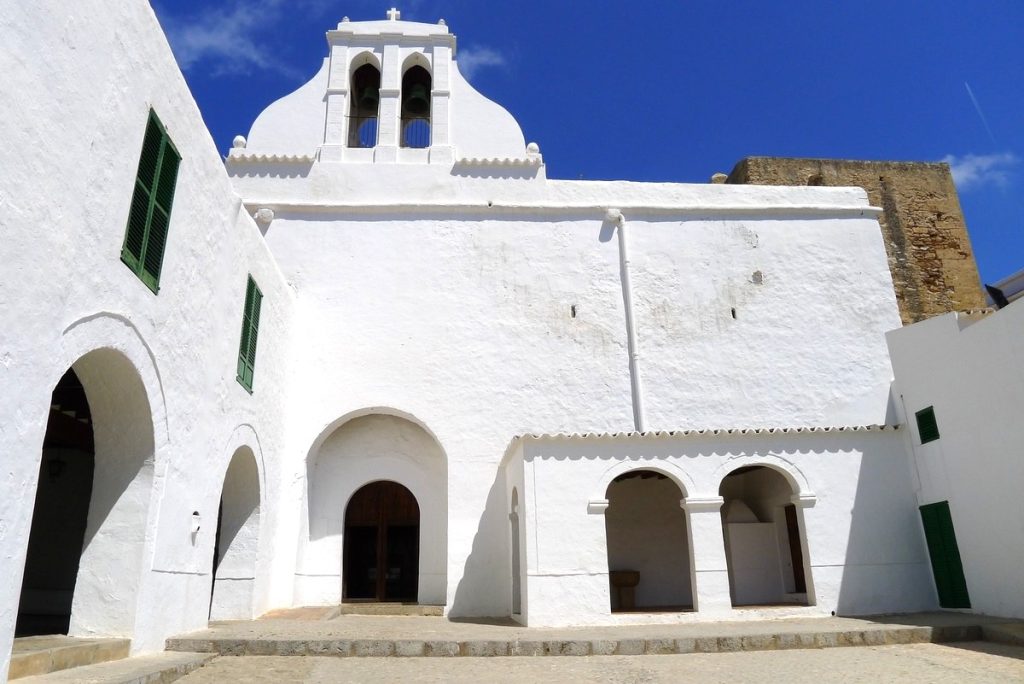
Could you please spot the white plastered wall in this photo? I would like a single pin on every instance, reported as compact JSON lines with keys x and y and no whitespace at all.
{"x":465,"y":319}
{"x":364,"y":449}
{"x":970,"y":371}
{"x":69,"y":166}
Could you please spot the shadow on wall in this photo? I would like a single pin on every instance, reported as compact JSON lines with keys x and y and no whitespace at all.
{"x":887,"y":568}
{"x":495,"y":171}
{"x":269,"y":169}
{"x":486,"y":570}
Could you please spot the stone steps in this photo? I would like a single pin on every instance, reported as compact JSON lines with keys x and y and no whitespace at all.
{"x":38,"y":655}
{"x":158,"y":668}
{"x":710,"y":642}
{"x":389,"y":609}
{"x":1011,"y":634}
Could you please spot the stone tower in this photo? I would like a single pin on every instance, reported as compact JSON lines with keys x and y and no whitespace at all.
{"x":930,"y":255}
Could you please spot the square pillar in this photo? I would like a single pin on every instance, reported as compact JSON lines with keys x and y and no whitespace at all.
{"x":711,"y":571}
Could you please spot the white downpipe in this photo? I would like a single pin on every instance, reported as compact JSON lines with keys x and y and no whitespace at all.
{"x":615,"y":216}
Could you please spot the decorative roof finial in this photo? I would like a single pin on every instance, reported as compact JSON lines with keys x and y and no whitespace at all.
{"x":394,"y":14}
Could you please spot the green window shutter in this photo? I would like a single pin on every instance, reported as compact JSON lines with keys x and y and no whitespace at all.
{"x":947,"y":567}
{"x":250,"y":333}
{"x":927,"y":427}
{"x":150,"y":214}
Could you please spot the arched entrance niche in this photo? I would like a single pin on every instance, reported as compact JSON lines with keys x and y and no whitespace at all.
{"x":764,"y":540}
{"x":343,"y":476}
{"x":83,"y":566}
{"x":236,"y":548}
{"x":649,"y":559}
{"x":380,"y":561}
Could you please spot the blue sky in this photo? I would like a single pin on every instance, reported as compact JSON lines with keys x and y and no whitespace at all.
{"x":675,"y":91}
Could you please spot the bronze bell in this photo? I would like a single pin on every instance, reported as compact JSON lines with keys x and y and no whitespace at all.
{"x":369,"y":97}
{"x":417,"y":102}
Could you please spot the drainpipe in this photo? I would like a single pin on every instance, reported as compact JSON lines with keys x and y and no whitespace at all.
{"x":614,"y":216}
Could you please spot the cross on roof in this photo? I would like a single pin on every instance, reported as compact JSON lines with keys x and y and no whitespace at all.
{"x":394,"y":14}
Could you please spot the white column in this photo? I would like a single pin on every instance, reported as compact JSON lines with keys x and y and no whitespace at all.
{"x":390,"y":104}
{"x":711,"y":572}
{"x":336,"y":125}
{"x":441,"y":151}
{"x":802,"y":501}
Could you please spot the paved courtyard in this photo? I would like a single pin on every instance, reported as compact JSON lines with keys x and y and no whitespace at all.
{"x":962,"y":663}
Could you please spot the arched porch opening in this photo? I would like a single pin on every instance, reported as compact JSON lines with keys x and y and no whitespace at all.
{"x":382,"y":540}
{"x":764,"y":540}
{"x":649,"y":558}
{"x":83,"y":564}
{"x":236,"y":545}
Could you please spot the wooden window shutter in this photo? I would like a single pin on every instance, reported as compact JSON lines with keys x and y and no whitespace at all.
{"x":944,"y":552}
{"x":150,"y":212}
{"x":927,"y":426}
{"x":250,"y":333}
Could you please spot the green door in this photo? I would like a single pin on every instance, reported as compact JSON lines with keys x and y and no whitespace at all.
{"x":946,"y":565}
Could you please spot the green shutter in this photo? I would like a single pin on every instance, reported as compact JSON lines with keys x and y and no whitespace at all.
{"x":250,"y":333}
{"x":945,"y":556}
{"x":150,"y":213}
{"x":927,"y":427}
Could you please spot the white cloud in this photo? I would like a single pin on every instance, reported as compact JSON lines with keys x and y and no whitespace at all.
{"x":225,"y":38}
{"x":973,"y":170}
{"x":471,"y":60}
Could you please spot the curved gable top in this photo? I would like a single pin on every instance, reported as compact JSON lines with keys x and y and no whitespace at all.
{"x":314,"y":118}
{"x":294,"y":124}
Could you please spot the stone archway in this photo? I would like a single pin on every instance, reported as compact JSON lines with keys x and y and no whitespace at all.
{"x":649,"y":556}
{"x":84,"y":563}
{"x":236,"y":546}
{"x":764,"y":539}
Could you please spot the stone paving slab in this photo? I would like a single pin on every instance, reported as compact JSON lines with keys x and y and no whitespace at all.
{"x":38,"y":655}
{"x":151,"y":669}
{"x":376,"y":636}
{"x":966,"y":663}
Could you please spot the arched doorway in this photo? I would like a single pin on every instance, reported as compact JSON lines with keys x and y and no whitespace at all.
{"x":381,"y":544}
{"x":649,"y":560}
{"x":763,"y":538}
{"x":59,"y":516}
{"x":84,"y":561}
{"x":236,"y":545}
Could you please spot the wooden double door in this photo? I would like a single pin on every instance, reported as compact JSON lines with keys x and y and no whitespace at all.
{"x":382,"y":544}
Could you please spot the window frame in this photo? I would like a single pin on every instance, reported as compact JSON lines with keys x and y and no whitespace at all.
{"x":155,"y":199}
{"x":927,"y":425}
{"x":251,"y":310}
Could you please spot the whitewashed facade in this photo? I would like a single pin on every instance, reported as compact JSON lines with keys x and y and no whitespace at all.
{"x":966,"y":368}
{"x":429,"y":305}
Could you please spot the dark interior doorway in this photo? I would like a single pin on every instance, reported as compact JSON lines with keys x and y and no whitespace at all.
{"x":61,"y":510}
{"x":382,"y":544}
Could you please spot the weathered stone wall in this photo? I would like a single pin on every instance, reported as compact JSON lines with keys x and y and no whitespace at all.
{"x":930,"y":256}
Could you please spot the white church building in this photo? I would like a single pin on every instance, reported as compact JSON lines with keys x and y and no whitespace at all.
{"x":377,"y":355}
